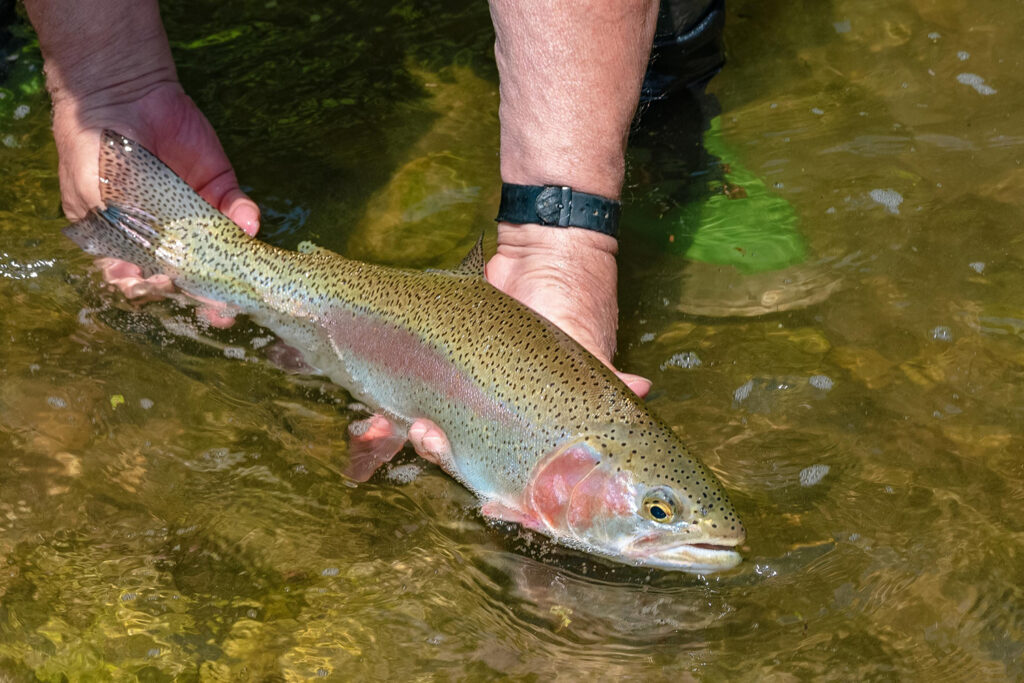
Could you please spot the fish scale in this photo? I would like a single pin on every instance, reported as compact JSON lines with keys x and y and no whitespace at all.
{"x":544,"y":433}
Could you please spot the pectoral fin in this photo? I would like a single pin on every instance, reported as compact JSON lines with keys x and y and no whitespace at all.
{"x":372,"y":443}
{"x":499,"y":511}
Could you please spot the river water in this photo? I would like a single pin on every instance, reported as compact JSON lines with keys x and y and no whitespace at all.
{"x":849,"y":360}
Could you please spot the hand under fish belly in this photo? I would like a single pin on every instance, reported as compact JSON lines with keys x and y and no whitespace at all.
{"x":540,"y":430}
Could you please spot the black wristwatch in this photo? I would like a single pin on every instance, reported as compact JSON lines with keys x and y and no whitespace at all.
{"x":558,"y":206}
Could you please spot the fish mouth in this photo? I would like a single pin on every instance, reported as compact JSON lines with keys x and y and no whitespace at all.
{"x":694,"y":558}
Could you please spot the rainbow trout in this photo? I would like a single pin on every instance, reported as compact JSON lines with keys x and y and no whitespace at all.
{"x":540,"y":430}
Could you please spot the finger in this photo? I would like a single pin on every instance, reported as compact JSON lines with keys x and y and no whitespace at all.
{"x":222,"y":191}
{"x":127,"y":277}
{"x":429,"y":441}
{"x":216,"y":313}
{"x":237,"y":206}
{"x":217,"y":316}
{"x":637,"y":384}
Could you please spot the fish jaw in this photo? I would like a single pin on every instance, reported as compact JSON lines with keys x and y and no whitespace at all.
{"x":588,"y":504}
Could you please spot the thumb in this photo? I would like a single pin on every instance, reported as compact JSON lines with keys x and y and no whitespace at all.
{"x":637,"y":384}
{"x":237,"y":206}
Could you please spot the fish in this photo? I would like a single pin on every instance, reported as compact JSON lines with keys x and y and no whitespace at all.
{"x":541,"y":431}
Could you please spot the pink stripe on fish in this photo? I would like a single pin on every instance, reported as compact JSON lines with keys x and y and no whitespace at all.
{"x":401,"y":353}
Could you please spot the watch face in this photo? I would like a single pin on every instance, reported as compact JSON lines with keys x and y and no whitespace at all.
{"x":549,"y":204}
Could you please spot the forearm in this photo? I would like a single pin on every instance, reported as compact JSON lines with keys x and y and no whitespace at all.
{"x":570,"y":81}
{"x":114,"y":47}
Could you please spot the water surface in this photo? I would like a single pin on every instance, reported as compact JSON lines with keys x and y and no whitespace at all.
{"x":171,"y":505}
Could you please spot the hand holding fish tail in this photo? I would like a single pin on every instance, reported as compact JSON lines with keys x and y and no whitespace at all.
{"x":128,"y":84}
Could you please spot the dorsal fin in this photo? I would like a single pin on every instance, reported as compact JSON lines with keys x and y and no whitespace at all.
{"x":471,"y":266}
{"x":307,"y":247}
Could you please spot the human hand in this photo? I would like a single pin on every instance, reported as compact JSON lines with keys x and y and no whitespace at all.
{"x":108,"y":65}
{"x":166,"y":121}
{"x":569,"y":276}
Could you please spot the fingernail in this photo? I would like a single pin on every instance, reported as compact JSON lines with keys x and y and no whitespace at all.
{"x":247,"y":216}
{"x":640,"y":386}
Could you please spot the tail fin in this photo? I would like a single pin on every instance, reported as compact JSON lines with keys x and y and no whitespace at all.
{"x":152,"y":217}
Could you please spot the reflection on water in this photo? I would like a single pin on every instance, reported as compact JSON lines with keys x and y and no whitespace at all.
{"x":171,"y":503}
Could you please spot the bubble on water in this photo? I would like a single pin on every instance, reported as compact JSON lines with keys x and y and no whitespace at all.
{"x":21,"y":111}
{"x":817,"y":111}
{"x":963,"y":55}
{"x":235,"y":352}
{"x":330,"y":571}
{"x":934,"y":35}
{"x":646,"y":337}
{"x":890,"y":199}
{"x":145,"y":403}
{"x":743,"y":392}
{"x":809,"y":476}
{"x":830,"y":210}
{"x":942,"y":333}
{"x":56,"y":402}
{"x":685,"y":360}
{"x":823,"y":382}
{"x":10,"y":141}
{"x":260,"y":342}
{"x":404,"y":474}
{"x":976,"y":82}
{"x":978,"y":267}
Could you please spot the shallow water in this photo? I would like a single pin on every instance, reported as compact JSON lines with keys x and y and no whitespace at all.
{"x":171,"y":504}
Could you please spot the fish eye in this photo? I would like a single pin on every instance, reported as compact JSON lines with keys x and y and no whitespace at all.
{"x":659,"y":505}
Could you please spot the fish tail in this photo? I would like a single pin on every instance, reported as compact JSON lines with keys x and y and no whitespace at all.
{"x":155,"y":220}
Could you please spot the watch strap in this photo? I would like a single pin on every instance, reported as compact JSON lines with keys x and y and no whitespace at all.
{"x":558,"y":206}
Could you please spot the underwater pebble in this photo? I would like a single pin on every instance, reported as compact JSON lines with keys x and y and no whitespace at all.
{"x":942,"y":333}
{"x":56,"y":402}
{"x":743,"y":392}
{"x":686,"y":359}
{"x":21,"y":111}
{"x":978,"y":267}
{"x":809,"y":476}
{"x":963,"y":55}
{"x":823,"y":382}
{"x":236,"y":352}
{"x":145,"y":403}
{"x":976,"y":82}
{"x":890,"y":199}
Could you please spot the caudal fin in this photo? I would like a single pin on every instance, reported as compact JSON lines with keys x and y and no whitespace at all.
{"x":152,"y":217}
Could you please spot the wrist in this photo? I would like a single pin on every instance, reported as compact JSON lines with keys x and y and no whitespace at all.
{"x":101,"y":52}
{"x":560,"y":246}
